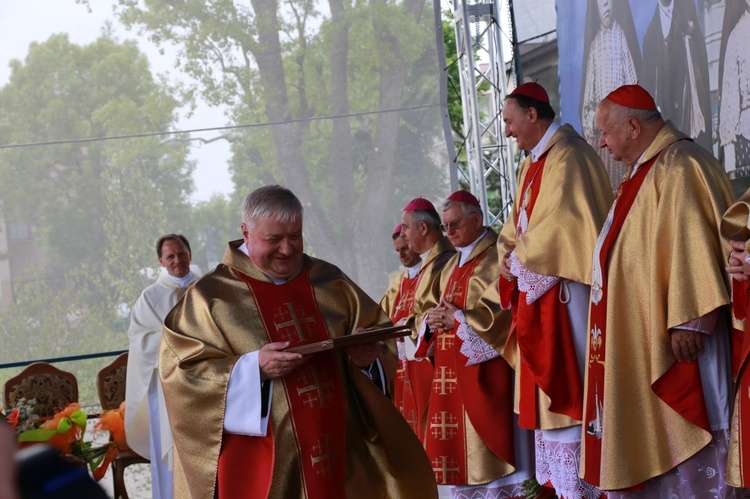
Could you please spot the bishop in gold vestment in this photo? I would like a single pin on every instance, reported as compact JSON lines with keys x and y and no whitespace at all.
{"x":251,"y":420}
{"x":563,"y":198}
{"x":472,"y":437}
{"x":735,"y":228}
{"x":657,"y":377}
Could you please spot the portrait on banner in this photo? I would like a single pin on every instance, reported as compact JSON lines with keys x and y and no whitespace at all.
{"x":687,"y":53}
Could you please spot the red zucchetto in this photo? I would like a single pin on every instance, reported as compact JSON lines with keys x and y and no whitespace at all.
{"x":463,"y":196}
{"x":396,"y":230}
{"x":632,"y":96}
{"x":419,"y":204}
{"x":532,"y":90}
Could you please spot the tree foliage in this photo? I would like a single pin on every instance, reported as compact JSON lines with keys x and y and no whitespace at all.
{"x":329,"y":81}
{"x":214,"y":222}
{"x":95,"y":208}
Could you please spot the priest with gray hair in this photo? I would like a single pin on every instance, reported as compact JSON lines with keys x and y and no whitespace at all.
{"x":251,"y":418}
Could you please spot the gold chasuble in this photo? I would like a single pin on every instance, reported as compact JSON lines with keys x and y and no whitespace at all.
{"x":331,"y":431}
{"x":429,"y":274}
{"x":573,"y":196}
{"x":666,"y":217}
{"x":411,"y":388}
{"x":390,"y":302}
{"x":572,"y":192}
{"x":469,"y":428}
{"x":398,"y":301}
{"x":414,"y":378}
{"x":735,"y":225}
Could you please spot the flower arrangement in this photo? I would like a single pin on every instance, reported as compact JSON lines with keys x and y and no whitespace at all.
{"x":24,"y":416}
{"x":114,"y":422}
{"x":65,"y":431}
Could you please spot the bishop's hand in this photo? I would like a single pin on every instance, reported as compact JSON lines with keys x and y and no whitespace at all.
{"x":276,"y":363}
{"x":505,"y":268}
{"x":686,"y":345}
{"x":739,"y":262}
{"x":440,"y":318}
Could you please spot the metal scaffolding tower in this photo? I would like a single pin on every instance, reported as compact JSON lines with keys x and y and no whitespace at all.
{"x":490,"y":170}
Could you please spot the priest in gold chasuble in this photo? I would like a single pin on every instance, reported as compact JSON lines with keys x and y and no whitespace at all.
{"x":657,"y":394}
{"x":472,"y":438}
{"x":735,"y":229}
{"x":420,"y":226}
{"x":412,"y":383}
{"x":563,"y":198}
{"x":252,"y":420}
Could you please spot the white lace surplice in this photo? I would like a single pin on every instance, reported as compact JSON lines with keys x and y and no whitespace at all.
{"x":531,"y":283}
{"x":557,"y":463}
{"x":474,"y":348}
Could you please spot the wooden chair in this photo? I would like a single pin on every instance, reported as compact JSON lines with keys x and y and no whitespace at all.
{"x":52,"y":388}
{"x":110,"y":383}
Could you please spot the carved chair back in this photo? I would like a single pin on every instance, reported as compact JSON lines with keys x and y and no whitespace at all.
{"x":52,"y":388}
{"x":110,"y":383}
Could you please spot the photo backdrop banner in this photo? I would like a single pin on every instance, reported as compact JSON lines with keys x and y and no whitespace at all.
{"x":687,"y":53}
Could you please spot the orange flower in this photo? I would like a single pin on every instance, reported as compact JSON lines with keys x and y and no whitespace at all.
{"x":64,"y":441}
{"x":114,"y":422}
{"x":13,"y":417}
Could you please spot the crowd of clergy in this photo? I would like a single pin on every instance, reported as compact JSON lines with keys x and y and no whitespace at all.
{"x":597,"y":343}
{"x":595,"y":347}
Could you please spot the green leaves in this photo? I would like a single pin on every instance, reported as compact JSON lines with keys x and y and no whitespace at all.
{"x":92,"y":209}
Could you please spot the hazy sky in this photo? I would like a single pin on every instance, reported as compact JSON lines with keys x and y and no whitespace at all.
{"x":26,"y":21}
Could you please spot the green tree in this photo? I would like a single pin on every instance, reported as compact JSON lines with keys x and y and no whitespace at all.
{"x":95,"y":208}
{"x":455,"y":109}
{"x":287,"y":63}
{"x":214,"y":222}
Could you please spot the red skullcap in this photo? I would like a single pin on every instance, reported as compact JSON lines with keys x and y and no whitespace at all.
{"x":396,"y":230}
{"x":532,"y":90}
{"x":419,"y":204}
{"x":632,"y":96}
{"x":463,"y":197}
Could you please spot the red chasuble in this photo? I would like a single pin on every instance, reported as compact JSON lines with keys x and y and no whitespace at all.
{"x":740,"y":354}
{"x":314,"y":393}
{"x":544,"y":335}
{"x":487,"y":386}
{"x":680,"y":387}
{"x":413,"y":378}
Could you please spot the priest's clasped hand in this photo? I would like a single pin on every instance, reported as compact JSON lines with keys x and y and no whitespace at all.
{"x":275,"y":363}
{"x":440,"y":318}
{"x":739,"y":266}
{"x":505,"y":268}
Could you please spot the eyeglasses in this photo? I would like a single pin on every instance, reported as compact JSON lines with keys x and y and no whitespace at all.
{"x":451,"y":226}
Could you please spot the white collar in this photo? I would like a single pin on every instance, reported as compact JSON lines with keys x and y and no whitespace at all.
{"x":542,"y":145}
{"x":465,"y":251}
{"x":638,"y":163}
{"x":243,"y":248}
{"x":423,"y":256}
{"x":665,"y":15}
{"x":181,"y":281}
{"x":414,"y":270}
{"x":275,"y":280}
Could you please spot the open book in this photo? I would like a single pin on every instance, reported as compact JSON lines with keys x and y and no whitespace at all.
{"x":349,"y":340}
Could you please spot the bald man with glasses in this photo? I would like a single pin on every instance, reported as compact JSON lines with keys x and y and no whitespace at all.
{"x":470,"y":419}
